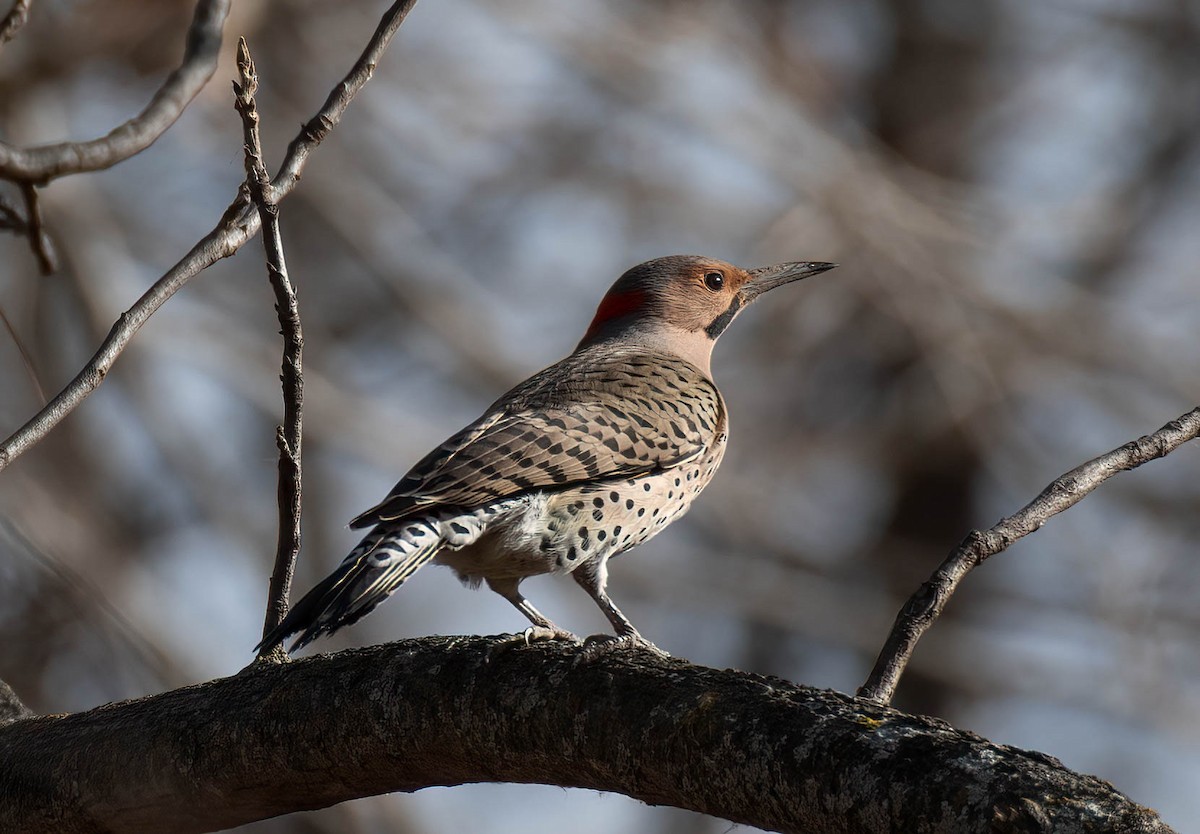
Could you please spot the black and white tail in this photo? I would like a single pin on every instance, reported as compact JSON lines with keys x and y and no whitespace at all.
{"x":380,"y":564}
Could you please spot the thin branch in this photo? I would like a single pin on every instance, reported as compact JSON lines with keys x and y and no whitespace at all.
{"x":451,"y":710}
{"x":42,"y":164}
{"x":287,"y":436}
{"x":26,"y":359}
{"x":924,"y":607}
{"x":14,"y":20}
{"x":239,"y":223}
{"x":34,"y":231}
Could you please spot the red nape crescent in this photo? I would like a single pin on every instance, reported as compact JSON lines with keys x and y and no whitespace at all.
{"x":614,"y":306}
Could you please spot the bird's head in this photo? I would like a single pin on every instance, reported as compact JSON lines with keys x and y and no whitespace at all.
{"x":682,"y":303}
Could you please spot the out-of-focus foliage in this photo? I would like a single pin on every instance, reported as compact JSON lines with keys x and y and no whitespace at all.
{"x":1011,"y":188}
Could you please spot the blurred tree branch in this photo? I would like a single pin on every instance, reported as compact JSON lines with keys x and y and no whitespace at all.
{"x":288,"y":436}
{"x":12,"y":22}
{"x":437,"y":711}
{"x":34,"y":230}
{"x":924,"y":607}
{"x":239,"y":223}
{"x":41,"y":164}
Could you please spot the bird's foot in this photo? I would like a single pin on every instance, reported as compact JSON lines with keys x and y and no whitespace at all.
{"x":598,"y":645}
{"x":528,"y":637}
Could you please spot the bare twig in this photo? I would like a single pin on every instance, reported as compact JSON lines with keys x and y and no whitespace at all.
{"x":239,"y":223}
{"x":287,"y":436}
{"x":14,"y":20}
{"x":41,"y":164}
{"x":919,"y":613}
{"x":34,"y":231}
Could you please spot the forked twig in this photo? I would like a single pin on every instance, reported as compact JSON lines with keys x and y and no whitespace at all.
{"x":287,"y":436}
{"x":924,"y":607}
{"x":237,"y":225}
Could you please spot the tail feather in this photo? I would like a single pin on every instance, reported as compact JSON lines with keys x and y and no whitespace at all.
{"x":380,"y":564}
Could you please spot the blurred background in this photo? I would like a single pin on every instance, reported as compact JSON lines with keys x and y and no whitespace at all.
{"x":1011,"y":188}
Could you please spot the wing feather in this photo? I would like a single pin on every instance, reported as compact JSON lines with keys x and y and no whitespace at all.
{"x":584,"y":419}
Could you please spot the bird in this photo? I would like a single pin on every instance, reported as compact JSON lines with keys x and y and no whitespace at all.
{"x":579,"y":463}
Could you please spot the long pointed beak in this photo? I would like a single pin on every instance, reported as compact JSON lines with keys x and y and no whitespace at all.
{"x":769,"y":277}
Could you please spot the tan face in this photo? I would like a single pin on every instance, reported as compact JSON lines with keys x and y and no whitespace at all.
{"x":690,"y":293}
{"x":704,"y":295}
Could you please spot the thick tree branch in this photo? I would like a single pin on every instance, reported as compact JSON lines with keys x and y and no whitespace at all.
{"x":239,"y":223}
{"x":288,"y":436}
{"x":924,"y":607}
{"x":43,"y":163}
{"x":285,"y":737}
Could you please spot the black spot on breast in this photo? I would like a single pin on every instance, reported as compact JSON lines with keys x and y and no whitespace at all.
{"x":458,"y":528}
{"x":598,"y":502}
{"x":614,"y":496}
{"x":629,"y":503}
{"x":617,"y":530}
{"x":602,"y":535}
{"x":546,"y":544}
{"x":572,"y":554}
{"x":641,"y":511}
{"x":596,"y":514}
{"x":583,"y":532}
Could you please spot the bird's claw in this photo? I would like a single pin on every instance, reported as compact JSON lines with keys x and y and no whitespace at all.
{"x":598,"y":645}
{"x":528,"y":637}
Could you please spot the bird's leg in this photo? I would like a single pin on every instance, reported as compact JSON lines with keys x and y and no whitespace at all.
{"x":542,"y":628}
{"x":592,"y":576}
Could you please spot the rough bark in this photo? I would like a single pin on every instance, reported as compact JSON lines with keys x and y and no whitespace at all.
{"x":446,"y":711}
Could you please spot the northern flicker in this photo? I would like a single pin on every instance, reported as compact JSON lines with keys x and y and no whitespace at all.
{"x":575,"y":465}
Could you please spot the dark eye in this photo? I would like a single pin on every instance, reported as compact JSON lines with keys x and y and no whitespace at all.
{"x":714,"y":281}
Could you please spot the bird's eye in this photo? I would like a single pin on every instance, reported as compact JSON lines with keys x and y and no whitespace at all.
{"x":714,"y":281}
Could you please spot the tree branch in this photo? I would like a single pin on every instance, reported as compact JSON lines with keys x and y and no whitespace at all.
{"x":34,"y":230}
{"x":288,"y":436}
{"x":14,"y":20}
{"x":924,"y":607}
{"x":239,"y":223}
{"x":39,"y":165}
{"x":285,"y":737}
